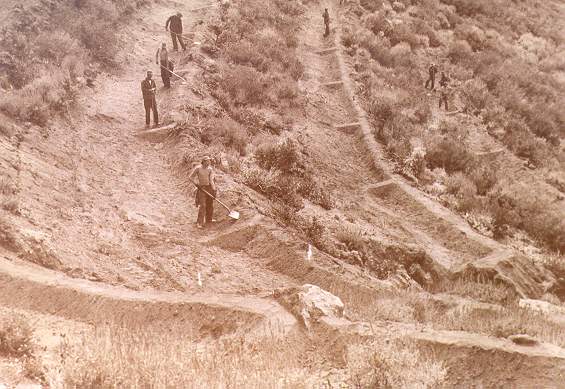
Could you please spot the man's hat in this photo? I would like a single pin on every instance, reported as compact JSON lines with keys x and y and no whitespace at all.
{"x":179,"y":14}
{"x":206,"y":159}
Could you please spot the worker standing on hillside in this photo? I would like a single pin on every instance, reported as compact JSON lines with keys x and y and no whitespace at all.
{"x":162,"y":59}
{"x":175,"y":23}
{"x":326,"y":17}
{"x":443,"y":90}
{"x":206,"y":189}
{"x":432,"y":71}
{"x":148,"y":88}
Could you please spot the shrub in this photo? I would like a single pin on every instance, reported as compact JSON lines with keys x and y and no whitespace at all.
{"x":465,"y":191}
{"x":377,"y":22}
{"x":315,"y":231}
{"x":403,"y":33}
{"x":244,"y":84}
{"x":382,"y":110}
{"x":459,"y":52}
{"x":16,"y":338}
{"x":348,"y":37}
{"x":415,"y":164}
{"x":393,"y":364}
{"x":283,"y":156}
{"x":370,"y":5}
{"x":228,"y":132}
{"x":276,"y":186}
{"x":7,"y":236}
{"x":377,"y":46}
{"x":474,"y":36}
{"x":449,"y":155}
{"x":475,"y":95}
{"x":484,"y":178}
{"x":401,"y":54}
{"x":352,"y":237}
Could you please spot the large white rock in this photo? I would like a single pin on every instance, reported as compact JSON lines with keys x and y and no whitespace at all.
{"x":310,"y":303}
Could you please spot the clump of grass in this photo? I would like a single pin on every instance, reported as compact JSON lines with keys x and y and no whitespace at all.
{"x":16,"y":337}
{"x":7,"y":236}
{"x":397,"y":363}
{"x":351,"y":237}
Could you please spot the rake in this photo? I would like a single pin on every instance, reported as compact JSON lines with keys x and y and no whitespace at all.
{"x":233,"y":214}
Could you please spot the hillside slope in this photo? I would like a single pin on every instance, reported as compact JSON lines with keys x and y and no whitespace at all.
{"x":98,"y":235}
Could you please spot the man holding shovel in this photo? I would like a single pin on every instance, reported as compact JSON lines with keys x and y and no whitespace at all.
{"x":206,"y":191}
{"x":162,"y":59}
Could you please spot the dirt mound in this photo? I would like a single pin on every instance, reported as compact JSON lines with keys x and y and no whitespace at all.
{"x":479,"y":361}
{"x":80,"y":300}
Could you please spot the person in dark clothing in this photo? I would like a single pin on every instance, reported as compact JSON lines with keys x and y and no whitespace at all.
{"x":148,"y":88}
{"x":443,"y":90}
{"x":162,"y":59}
{"x":326,"y":17}
{"x":432,"y":71}
{"x":174,"y":25}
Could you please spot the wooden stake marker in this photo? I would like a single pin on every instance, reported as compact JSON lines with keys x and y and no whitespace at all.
{"x":326,"y":51}
{"x":333,"y":84}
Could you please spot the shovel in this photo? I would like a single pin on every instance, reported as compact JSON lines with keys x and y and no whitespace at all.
{"x":232,"y":213}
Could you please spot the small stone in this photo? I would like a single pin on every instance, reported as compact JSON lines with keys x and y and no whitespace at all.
{"x":523,"y":340}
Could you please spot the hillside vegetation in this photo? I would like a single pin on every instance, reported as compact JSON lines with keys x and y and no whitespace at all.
{"x":49,"y":50}
{"x":506,"y":66}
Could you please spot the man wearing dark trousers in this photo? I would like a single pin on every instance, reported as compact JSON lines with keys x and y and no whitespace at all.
{"x":162,"y":59}
{"x":174,"y":25}
{"x":206,"y":188}
{"x":148,"y":88}
{"x":432,"y":71}
{"x":326,"y":17}
{"x":443,"y":90}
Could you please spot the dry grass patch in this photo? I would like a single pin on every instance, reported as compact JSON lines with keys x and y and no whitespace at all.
{"x":113,"y":357}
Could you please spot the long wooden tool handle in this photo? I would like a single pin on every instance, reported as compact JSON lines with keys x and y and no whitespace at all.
{"x":204,"y":190}
{"x":170,"y":71}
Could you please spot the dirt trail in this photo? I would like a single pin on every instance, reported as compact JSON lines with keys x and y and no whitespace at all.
{"x":103,"y":204}
{"x":46,"y":291}
{"x":448,"y":239}
{"x":112,"y":210}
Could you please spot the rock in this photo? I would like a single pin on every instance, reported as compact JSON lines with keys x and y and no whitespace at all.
{"x":557,"y":288}
{"x":523,"y":340}
{"x":398,"y":6}
{"x":310,"y":303}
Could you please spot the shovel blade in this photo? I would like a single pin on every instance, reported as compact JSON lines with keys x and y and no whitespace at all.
{"x":234,"y":215}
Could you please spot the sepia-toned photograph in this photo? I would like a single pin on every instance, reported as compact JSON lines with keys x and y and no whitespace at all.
{"x":282,"y":194}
